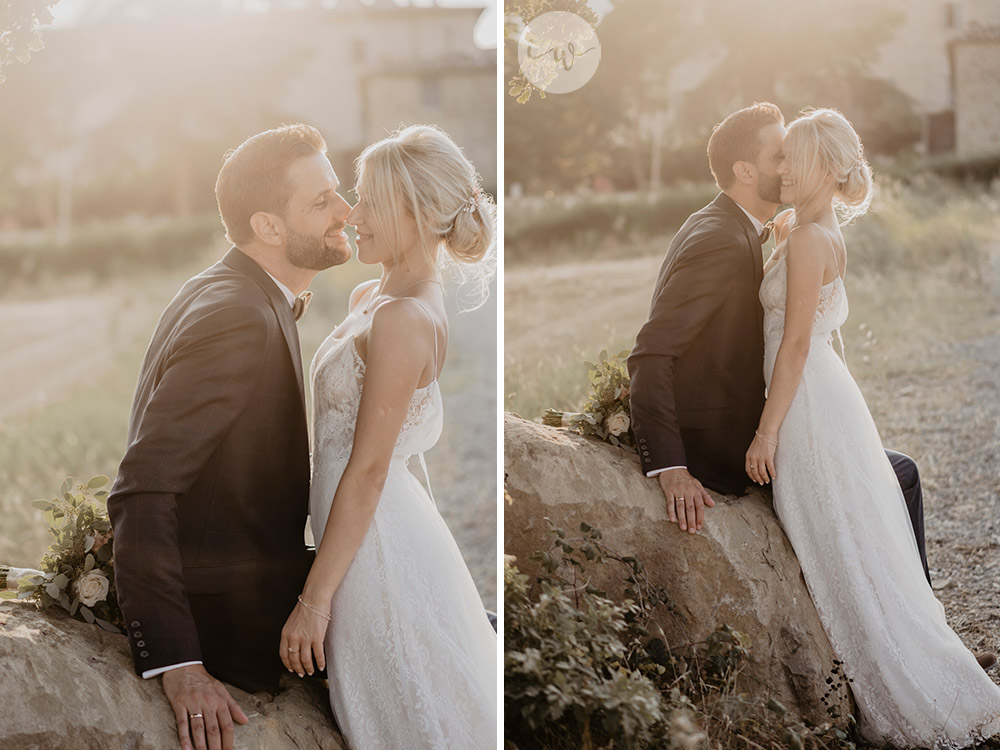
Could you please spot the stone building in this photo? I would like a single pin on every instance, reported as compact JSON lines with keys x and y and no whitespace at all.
{"x":945,"y":55}
{"x":377,"y":65}
{"x":975,"y":72}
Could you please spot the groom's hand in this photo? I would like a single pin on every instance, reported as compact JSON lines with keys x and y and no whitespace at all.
{"x":204,"y":709}
{"x":686,"y":499}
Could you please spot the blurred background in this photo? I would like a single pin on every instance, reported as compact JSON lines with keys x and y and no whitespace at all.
{"x":114,"y":119}
{"x":598,"y":180}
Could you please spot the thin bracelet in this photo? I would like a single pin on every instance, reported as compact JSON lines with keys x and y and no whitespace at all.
{"x":772,"y":442}
{"x":314,"y":610}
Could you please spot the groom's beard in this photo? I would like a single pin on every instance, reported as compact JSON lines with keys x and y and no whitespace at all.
{"x":312,"y":253}
{"x":769,"y":188}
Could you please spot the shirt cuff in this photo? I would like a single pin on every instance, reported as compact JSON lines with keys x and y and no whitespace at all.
{"x":160,"y":670}
{"x":654,"y":472}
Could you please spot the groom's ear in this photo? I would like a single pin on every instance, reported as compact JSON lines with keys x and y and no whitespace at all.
{"x":269,"y":227}
{"x":744,"y":172}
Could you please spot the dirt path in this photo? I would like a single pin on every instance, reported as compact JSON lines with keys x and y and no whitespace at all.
{"x":53,"y":344}
{"x":59,"y":342}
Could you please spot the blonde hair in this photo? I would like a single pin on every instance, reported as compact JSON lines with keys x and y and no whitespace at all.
{"x":823,"y":141}
{"x":420,"y":169}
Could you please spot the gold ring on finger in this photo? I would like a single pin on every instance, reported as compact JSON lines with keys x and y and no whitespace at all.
{"x":196,"y":716}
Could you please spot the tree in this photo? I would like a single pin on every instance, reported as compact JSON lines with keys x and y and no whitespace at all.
{"x":669,"y":71}
{"x":19,"y":34}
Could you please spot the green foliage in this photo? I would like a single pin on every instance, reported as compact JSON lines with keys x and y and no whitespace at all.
{"x":575,"y":671}
{"x":80,"y":554}
{"x":582,"y":670}
{"x":19,"y":35}
{"x":607,"y":413}
{"x":102,"y":248}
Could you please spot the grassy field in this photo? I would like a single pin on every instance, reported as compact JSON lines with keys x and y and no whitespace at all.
{"x":915,"y":273}
{"x":72,"y":350}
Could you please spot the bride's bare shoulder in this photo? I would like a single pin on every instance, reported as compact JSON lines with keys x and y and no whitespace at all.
{"x":360,"y":291}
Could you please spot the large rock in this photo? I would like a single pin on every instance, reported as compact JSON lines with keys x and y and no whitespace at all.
{"x":739,"y":569}
{"x":66,"y":685}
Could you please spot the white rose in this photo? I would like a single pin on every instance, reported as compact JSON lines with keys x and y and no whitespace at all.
{"x":618,"y":423}
{"x":92,"y":588}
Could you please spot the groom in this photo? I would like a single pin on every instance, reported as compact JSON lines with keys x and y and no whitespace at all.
{"x":697,"y":369}
{"x":211,"y":498}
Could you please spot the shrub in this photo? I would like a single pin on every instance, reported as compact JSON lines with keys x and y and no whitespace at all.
{"x":582,"y":670}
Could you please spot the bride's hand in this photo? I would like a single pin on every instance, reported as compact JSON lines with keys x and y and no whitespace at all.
{"x":302,"y":639}
{"x":760,"y":459}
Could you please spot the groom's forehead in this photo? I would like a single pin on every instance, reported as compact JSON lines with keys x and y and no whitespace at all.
{"x":313,"y":175}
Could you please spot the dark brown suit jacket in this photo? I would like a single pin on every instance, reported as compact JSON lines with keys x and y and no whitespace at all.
{"x":697,"y":367}
{"x":210,"y":501}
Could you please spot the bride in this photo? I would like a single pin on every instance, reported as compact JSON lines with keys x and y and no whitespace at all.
{"x":389,"y":607}
{"x":915,"y":683}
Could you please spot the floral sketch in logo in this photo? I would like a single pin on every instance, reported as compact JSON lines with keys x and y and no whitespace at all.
{"x":558,"y":52}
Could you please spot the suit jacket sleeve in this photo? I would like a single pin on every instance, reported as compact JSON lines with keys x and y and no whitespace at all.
{"x":205,"y":380}
{"x":685,"y":302}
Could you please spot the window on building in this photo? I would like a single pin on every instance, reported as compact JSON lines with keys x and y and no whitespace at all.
{"x":952,"y":16}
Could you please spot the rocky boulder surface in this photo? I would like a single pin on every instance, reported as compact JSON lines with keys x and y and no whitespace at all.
{"x":739,"y":569}
{"x":66,"y":685}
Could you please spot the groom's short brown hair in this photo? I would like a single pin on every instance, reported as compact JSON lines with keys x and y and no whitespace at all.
{"x":737,"y":139}
{"x":254,"y":176}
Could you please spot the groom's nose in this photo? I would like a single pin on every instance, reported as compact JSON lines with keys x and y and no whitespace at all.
{"x":341,"y":208}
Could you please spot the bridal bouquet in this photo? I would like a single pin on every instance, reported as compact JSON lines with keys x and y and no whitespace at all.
{"x":76,"y":572}
{"x":606,"y":414}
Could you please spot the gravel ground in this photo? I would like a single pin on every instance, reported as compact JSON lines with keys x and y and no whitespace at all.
{"x":950,"y":424}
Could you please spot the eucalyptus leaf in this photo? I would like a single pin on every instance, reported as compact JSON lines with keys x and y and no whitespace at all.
{"x":107,"y":626}
{"x":45,"y":505}
{"x":104,"y":553}
{"x":88,"y":564}
{"x":8,"y":595}
{"x":61,"y":581}
{"x":64,"y":601}
{"x":74,"y":607}
{"x":52,"y":590}
{"x":88,"y":544}
{"x":67,"y":485}
{"x":87,"y":615}
{"x":98,"y":481}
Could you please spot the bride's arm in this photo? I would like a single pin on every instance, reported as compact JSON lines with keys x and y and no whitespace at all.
{"x":808,"y":250}
{"x":399,"y":350}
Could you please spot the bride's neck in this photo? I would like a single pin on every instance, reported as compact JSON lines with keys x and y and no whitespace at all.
{"x":813,"y":212}
{"x":398,"y":279}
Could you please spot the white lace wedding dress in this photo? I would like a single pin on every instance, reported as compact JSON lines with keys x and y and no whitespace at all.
{"x":840,"y":504}
{"x":411,"y":655}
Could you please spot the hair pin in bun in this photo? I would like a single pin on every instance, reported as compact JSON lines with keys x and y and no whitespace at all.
{"x":472,"y":204}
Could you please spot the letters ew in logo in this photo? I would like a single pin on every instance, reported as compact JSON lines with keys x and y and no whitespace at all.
{"x":558,"y":52}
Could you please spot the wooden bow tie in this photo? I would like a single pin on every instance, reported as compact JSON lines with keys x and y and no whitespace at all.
{"x":301,"y":304}
{"x":767,"y":232}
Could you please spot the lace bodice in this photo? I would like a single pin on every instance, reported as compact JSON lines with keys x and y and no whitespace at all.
{"x":831,"y":312}
{"x":337,"y":376}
